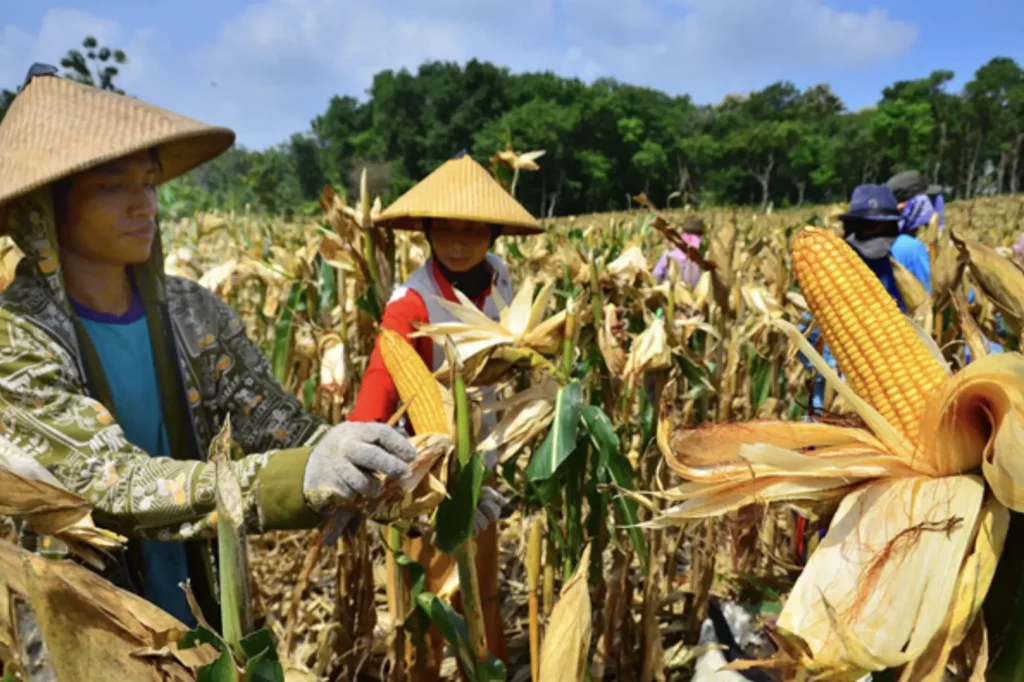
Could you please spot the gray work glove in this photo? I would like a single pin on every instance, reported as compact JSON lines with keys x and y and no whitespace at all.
{"x":341,"y":469}
{"x":488,"y":508}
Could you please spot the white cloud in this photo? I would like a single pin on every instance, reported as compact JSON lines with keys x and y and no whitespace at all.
{"x":274,"y":66}
{"x":61,"y":30}
{"x":710,"y":47}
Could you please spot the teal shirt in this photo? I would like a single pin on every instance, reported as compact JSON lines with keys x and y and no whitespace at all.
{"x":123,"y":345}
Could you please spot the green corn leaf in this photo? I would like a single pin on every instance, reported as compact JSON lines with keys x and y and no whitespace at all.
{"x":451,"y":625}
{"x":454,"y":524}
{"x":416,"y":577}
{"x":760,"y":381}
{"x":309,"y":393}
{"x":283,"y":335}
{"x":221,"y":670}
{"x":575,"y":479}
{"x":262,"y":664}
{"x":514,"y":251}
{"x":201,"y":635}
{"x":561,"y":439}
{"x":236,"y":615}
{"x":614,"y":467}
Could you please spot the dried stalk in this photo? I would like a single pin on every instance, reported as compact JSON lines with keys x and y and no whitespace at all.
{"x":533,"y":556}
{"x":465,"y":555}
{"x":312,"y":557}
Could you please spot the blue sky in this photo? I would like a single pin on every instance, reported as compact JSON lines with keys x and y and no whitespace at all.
{"x":267,"y":68}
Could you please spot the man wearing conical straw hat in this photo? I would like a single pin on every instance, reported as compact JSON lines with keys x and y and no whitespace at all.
{"x":116,"y":377}
{"x":462,"y":210}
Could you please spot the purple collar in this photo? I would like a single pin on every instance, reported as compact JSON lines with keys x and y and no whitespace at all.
{"x":135,"y":311}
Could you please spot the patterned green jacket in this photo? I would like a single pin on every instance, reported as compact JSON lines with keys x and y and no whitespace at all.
{"x":55,"y":402}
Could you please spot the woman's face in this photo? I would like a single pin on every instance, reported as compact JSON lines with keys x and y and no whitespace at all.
{"x":460,"y":245}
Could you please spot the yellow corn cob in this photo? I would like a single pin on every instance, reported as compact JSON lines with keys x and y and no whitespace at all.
{"x":416,"y":385}
{"x":883,"y":359}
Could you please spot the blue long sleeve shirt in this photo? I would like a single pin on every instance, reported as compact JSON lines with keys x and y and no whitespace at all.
{"x":912,"y":254}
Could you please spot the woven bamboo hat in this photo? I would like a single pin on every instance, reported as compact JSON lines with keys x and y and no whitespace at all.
{"x":460,"y":189}
{"x":57,"y":127}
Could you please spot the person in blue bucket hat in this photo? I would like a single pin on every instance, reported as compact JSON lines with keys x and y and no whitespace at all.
{"x":872,"y":226}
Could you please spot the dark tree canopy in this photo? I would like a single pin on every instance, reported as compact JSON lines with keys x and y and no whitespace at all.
{"x":608,"y":140}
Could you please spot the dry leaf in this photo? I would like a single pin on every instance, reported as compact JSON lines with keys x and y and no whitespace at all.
{"x":92,"y":629}
{"x":30,"y":492}
{"x":566,"y":648}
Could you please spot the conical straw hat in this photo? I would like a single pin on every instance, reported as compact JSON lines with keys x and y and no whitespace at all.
{"x":460,"y":189}
{"x":57,"y":127}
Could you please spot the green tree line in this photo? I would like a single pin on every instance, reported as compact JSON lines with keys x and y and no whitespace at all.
{"x":607,"y":140}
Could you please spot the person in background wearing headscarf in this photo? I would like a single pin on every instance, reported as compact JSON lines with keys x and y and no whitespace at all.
{"x":689,"y":272}
{"x":917,"y":209}
{"x":909,"y":189}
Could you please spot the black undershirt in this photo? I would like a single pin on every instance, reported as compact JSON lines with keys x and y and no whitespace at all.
{"x":473,"y":282}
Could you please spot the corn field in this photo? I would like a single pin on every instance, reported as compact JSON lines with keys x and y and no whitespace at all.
{"x":599,"y":366}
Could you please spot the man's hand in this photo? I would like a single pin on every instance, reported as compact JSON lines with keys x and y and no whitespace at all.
{"x":342,"y":468}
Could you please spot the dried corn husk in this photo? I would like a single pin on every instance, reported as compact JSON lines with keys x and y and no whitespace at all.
{"x":527,"y":415}
{"x":180,"y":262}
{"x":333,"y":363}
{"x":973,"y":336}
{"x":1000,"y":278}
{"x":722,"y":252}
{"x":945,"y":269}
{"x":30,"y":492}
{"x":912,"y":505}
{"x":975,"y":579}
{"x":650,"y":352}
{"x":914,"y":295}
{"x":759,"y":299}
{"x":702,"y":291}
{"x":977,"y":420}
{"x":862,"y":601}
{"x":219,"y":279}
{"x":630,"y":265}
{"x":524,"y":161}
{"x":521,"y":336}
{"x":563,"y":656}
{"x":10,"y":256}
{"x":92,"y":630}
{"x":613,"y":354}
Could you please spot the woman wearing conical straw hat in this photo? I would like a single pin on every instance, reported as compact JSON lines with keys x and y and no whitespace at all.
{"x":462,"y":210}
{"x":116,"y":377}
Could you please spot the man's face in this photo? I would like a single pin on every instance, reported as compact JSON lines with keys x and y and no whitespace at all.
{"x":460,"y":245}
{"x":109,"y":215}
